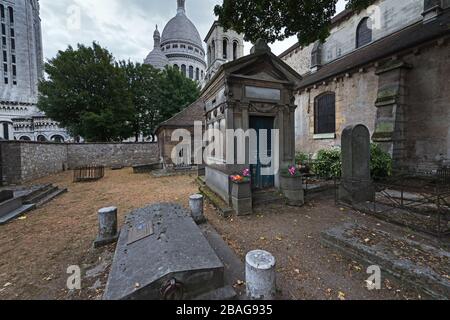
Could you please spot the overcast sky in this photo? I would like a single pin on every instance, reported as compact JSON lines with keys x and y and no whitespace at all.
{"x":125,"y":27}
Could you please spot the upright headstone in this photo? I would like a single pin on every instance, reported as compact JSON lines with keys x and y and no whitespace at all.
{"x":260,"y":275}
{"x":356,"y":183}
{"x":107,"y":227}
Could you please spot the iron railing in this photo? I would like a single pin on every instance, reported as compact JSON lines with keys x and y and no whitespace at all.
{"x":88,"y":173}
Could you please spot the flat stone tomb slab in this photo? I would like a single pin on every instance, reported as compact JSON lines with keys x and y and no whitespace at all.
{"x":417,"y":264}
{"x":146,"y":262}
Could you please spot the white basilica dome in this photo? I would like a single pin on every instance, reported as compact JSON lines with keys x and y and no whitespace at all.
{"x":182,"y":45}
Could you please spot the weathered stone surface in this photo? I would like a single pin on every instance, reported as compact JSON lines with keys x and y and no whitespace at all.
{"x":356,"y":184}
{"x":176,"y":250}
{"x":25,"y":161}
{"x":6,"y":195}
{"x":260,"y":275}
{"x":196,"y":203}
{"x":292,"y":188}
{"x":107,"y":227}
{"x":376,"y":247}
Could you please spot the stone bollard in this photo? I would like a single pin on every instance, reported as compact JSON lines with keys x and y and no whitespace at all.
{"x":260,"y":275}
{"x":196,"y":204}
{"x":107,"y":228}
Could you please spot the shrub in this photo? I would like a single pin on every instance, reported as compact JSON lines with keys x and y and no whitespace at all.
{"x":380,"y":162}
{"x":328,"y":163}
{"x":301,"y":158}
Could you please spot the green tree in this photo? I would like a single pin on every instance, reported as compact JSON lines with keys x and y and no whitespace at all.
{"x":271,"y":20}
{"x":177,"y":93}
{"x":87,"y":92}
{"x":144,"y":86}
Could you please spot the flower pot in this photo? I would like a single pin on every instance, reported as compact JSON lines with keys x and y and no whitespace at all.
{"x":292,"y":188}
{"x":241,"y":196}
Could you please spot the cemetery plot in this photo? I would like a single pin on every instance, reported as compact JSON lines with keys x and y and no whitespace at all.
{"x":419,"y":265}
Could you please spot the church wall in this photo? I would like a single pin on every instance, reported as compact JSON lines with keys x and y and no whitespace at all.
{"x":355,"y":104}
{"x":428,"y":108}
{"x":390,"y":17}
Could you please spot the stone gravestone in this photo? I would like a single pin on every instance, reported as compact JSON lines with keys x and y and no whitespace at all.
{"x":163,"y":255}
{"x":356,"y":183}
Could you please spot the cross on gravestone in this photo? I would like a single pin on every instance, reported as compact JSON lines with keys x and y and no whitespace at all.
{"x":356,"y":183}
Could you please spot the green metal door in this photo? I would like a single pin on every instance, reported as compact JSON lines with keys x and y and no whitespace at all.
{"x":260,"y":181}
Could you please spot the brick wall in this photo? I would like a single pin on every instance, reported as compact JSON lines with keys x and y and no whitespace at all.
{"x":25,"y":161}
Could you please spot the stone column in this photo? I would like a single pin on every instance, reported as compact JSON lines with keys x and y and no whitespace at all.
{"x":356,"y":184}
{"x":196,"y":204}
{"x":107,"y":228}
{"x":260,"y":275}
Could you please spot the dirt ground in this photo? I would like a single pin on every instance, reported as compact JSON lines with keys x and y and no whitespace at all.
{"x":36,"y":251}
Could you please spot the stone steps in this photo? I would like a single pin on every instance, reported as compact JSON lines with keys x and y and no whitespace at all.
{"x":16,"y":213}
{"x":26,"y":200}
{"x":58,"y":192}
{"x":10,"y":205}
{"x":40,"y":194}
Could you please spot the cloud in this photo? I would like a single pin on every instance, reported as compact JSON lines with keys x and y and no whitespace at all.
{"x":125,"y":27}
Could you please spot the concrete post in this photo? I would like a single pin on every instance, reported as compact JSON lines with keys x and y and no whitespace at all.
{"x":107,"y":228}
{"x":260,"y":275}
{"x":196,"y":204}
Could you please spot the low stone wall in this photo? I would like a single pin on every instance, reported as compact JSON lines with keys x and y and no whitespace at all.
{"x":22,"y":161}
{"x":112,"y":154}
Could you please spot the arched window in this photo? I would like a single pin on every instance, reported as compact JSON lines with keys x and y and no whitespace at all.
{"x":235,"y":50}
{"x":363,"y":33}
{"x":25,"y":138}
{"x":176,"y":67}
{"x":213,"y":51}
{"x":183,"y":69}
{"x":191,"y":72}
{"x":5,"y":131}
{"x":225,"y":48}
{"x":11,"y":15}
{"x":209,"y":56}
{"x":202,"y":75}
{"x":325,"y":113}
{"x":197,"y":74}
{"x":41,"y":138}
{"x":2,"y":12}
{"x":58,"y":139}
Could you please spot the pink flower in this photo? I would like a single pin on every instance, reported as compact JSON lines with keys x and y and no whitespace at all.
{"x":246,"y":173}
{"x":292,"y":171}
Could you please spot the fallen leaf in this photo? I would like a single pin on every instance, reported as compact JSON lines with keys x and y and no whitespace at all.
{"x":22,"y":218}
{"x":297,"y":271}
{"x":279,"y":238}
{"x":8,"y":284}
{"x":341,"y":296}
{"x":367,"y":240}
{"x":240,"y":283}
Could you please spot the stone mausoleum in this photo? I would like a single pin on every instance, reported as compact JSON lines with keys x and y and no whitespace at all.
{"x":253,"y":92}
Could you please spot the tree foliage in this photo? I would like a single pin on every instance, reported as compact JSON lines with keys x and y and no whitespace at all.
{"x":177,"y":92}
{"x":144,"y":88}
{"x":274,"y":21}
{"x":99,"y":99}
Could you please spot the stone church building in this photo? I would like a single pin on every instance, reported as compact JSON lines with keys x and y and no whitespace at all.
{"x":22,"y":67}
{"x":386,"y":67}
